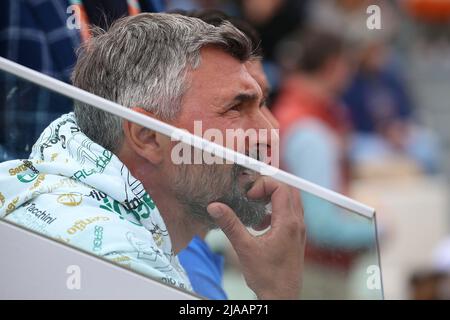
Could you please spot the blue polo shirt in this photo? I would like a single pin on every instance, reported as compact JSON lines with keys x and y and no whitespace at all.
{"x":204,"y":269}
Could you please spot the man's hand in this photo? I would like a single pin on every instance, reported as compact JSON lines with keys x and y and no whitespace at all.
{"x":273,"y":262}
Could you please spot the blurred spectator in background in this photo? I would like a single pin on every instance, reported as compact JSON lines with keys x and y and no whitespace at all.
{"x":349,"y":19}
{"x":314,"y":139}
{"x":380,"y":105}
{"x":382,"y":114}
{"x":273,"y":19}
{"x":35,"y":33}
{"x":314,"y":132}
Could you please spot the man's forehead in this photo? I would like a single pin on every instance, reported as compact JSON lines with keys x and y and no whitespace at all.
{"x":221,"y":72}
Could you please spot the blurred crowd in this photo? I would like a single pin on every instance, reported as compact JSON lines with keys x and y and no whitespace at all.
{"x":348,"y":101}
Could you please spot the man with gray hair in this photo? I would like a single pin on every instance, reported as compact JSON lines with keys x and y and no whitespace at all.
{"x":111,"y":186}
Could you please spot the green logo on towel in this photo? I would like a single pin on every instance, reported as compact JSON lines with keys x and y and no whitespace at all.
{"x":27,"y":177}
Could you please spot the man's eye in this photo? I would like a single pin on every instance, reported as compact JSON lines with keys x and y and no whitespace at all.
{"x":236,"y":107}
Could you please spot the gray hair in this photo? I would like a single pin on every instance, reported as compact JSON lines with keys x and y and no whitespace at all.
{"x":143,"y":61}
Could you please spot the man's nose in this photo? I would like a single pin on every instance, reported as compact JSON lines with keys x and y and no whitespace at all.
{"x":268,"y":137}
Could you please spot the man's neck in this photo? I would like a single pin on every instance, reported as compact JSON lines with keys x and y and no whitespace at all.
{"x":181,"y":226}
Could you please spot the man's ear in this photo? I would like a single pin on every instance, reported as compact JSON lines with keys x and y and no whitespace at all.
{"x":145,"y":142}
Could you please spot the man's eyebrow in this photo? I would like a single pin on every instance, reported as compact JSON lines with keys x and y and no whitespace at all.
{"x":244,"y":97}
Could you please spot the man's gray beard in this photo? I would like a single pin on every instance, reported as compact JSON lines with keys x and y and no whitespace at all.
{"x":213,"y":183}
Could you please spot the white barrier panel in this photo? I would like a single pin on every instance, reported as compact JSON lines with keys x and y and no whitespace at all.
{"x":35,"y":267}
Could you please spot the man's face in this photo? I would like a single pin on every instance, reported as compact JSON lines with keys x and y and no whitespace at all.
{"x":223,"y":95}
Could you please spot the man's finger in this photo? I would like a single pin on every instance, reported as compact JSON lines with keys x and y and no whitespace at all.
{"x":279,"y":195}
{"x":262,"y":188}
{"x":230,"y":224}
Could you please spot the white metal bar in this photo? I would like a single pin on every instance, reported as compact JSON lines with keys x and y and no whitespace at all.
{"x":198,"y":142}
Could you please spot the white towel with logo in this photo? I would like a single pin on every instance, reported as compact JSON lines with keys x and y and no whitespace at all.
{"x":73,"y":190}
